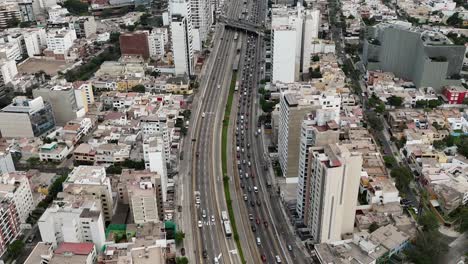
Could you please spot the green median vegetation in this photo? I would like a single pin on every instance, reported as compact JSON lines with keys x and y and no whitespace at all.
{"x":224,"y":144}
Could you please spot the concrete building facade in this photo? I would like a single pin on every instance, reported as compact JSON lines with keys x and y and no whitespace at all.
{"x":334,"y":176}
{"x":63,"y":102}
{"x":26,"y":118}
{"x":428,"y":58}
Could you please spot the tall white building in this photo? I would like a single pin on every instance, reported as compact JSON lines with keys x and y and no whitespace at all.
{"x":73,"y":219}
{"x":201,"y":21}
{"x":182,"y":36}
{"x":6,"y":161}
{"x":314,"y":133}
{"x":8,"y":71}
{"x":16,"y":186}
{"x":35,"y":41}
{"x":157,"y":39}
{"x":60,"y":40}
{"x":294,"y":106}
{"x":91,"y":180}
{"x":311,"y":30}
{"x":182,"y":47}
{"x":155,"y":155}
{"x":335,"y":173}
{"x":292,"y":32}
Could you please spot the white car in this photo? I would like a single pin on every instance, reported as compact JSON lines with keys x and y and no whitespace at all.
{"x":200,"y":224}
{"x":203,"y":114}
{"x":204,"y":214}
{"x":212,"y":218}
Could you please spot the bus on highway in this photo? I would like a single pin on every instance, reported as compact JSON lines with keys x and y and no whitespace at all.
{"x":224,"y":216}
{"x":227,"y":228}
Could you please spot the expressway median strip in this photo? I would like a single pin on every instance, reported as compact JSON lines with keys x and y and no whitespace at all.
{"x":224,"y":144}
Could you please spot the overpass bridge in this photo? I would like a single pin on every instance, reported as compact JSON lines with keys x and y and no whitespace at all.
{"x":241,"y":25}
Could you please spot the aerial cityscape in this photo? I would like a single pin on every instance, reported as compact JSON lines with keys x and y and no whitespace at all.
{"x":233,"y":131}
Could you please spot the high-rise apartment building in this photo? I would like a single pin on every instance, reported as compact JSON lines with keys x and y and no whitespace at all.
{"x":294,"y":106}
{"x":73,"y":218}
{"x":201,"y":21}
{"x":9,"y":14}
{"x":314,"y":133}
{"x":426,"y":57}
{"x":182,"y":36}
{"x":8,"y":71}
{"x":26,"y":10}
{"x":157,"y":40}
{"x":84,"y":26}
{"x":9,"y":218}
{"x":334,"y":183}
{"x":182,"y":45}
{"x":142,"y":191}
{"x":16,"y":185}
{"x":292,"y":31}
{"x":91,"y":180}
{"x":26,"y":118}
{"x":60,"y":40}
{"x":6,"y":160}
{"x":155,"y":155}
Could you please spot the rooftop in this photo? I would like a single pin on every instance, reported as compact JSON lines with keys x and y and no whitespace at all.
{"x":76,"y":248}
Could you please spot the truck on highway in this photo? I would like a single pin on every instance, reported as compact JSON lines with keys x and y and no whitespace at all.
{"x":227,"y":228}
{"x":224,"y":216}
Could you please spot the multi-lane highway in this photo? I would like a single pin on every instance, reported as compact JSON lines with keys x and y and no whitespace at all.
{"x":203,"y":196}
{"x":202,"y":183}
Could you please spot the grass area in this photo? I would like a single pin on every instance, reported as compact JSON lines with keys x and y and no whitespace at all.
{"x":224,"y":145}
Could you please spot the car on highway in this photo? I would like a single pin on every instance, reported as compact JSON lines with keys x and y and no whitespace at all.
{"x":203,"y":115}
{"x":257,"y":221}
{"x":254,"y":229}
{"x":264,"y":259}
{"x":249,"y":163}
{"x":242,"y":185}
{"x":278,"y":259}
{"x":252,"y":203}
{"x":259,"y":242}
{"x":289,"y":247}
{"x":265,"y":223}
{"x":205,"y":253}
{"x":245,"y":197}
{"x":246,"y":175}
{"x":200,"y":224}
{"x":212,"y":218}
{"x":204,"y":214}
{"x":249,"y":189}
{"x":255,"y":189}
{"x":258,"y":202}
{"x":251,"y":218}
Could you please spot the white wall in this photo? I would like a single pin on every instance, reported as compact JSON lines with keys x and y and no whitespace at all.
{"x":284,"y":53}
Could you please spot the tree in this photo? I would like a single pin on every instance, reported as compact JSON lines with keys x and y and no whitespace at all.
{"x":181,"y":260}
{"x":463,"y":220}
{"x":390,"y":161}
{"x":427,"y":248}
{"x":375,"y":122}
{"x":403,"y":177}
{"x":315,"y":58}
{"x":380,"y":108}
{"x":429,"y":221}
{"x":140,"y":8}
{"x":13,"y":22}
{"x":395,"y":101}
{"x":374,"y":226}
{"x":15,"y":248}
{"x":139,"y":88}
{"x":179,"y":237}
{"x":454,"y":20}
{"x":33,"y":161}
{"x":462,"y":147}
{"x":76,"y":7}
{"x":114,"y":169}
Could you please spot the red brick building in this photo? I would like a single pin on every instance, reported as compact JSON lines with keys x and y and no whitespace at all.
{"x":134,"y":44}
{"x":454,"y":94}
